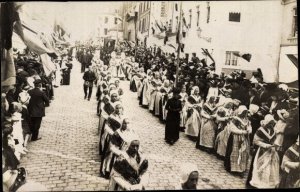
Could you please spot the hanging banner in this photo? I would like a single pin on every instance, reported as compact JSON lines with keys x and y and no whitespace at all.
{"x":48,"y":65}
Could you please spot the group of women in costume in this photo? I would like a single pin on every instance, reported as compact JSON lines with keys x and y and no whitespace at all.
{"x":236,"y":131}
{"x":119,"y":145}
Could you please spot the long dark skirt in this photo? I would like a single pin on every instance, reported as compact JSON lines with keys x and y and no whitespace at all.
{"x":172,"y":126}
{"x":133,"y":87}
{"x":288,"y":180}
{"x":227,"y":163}
{"x":160,"y":110}
{"x":101,"y":152}
{"x":99,"y":107}
{"x":141,"y":97}
{"x":10,"y":158}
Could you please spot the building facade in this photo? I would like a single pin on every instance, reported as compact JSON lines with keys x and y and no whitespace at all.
{"x":130,"y":14}
{"x":288,"y":60}
{"x":109,"y":25}
{"x":267,"y":30}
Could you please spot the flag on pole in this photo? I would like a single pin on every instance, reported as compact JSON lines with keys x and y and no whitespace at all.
{"x":245,"y":56}
{"x":58,"y":29}
{"x":205,"y":51}
{"x":160,"y":28}
{"x":48,"y":65}
{"x":31,"y":39}
{"x":153,"y":30}
{"x":184,"y":22}
{"x":172,"y":46}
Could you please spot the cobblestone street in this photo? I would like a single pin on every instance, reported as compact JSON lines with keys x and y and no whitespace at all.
{"x":67,"y":156}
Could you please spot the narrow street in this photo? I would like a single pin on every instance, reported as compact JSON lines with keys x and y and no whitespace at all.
{"x":67,"y":156}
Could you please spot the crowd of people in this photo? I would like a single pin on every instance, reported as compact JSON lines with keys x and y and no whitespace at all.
{"x":22,"y":110}
{"x":119,"y":145}
{"x":239,"y":120}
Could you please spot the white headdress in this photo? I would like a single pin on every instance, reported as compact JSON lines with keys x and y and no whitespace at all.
{"x":241,"y":109}
{"x":283,"y":87}
{"x":193,"y":89}
{"x":267,"y":120}
{"x":253,"y":108}
{"x":185,"y":170}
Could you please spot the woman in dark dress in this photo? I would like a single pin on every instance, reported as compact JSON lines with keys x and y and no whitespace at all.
{"x":173,"y":107}
{"x":10,"y":159}
{"x":290,"y":165}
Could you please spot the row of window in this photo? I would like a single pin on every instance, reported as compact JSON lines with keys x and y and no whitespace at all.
{"x":115,"y":20}
{"x":231,"y":59}
{"x":233,"y":17}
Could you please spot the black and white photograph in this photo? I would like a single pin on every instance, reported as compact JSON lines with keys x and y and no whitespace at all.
{"x":149,"y":95}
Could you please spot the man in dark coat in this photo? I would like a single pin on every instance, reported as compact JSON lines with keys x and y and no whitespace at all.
{"x":84,"y":60}
{"x":253,"y":98}
{"x":36,"y":108}
{"x":89,"y":77}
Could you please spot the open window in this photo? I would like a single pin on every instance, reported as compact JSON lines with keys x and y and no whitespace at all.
{"x":234,"y":17}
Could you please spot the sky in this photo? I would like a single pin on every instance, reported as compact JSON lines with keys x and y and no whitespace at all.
{"x":79,"y":18}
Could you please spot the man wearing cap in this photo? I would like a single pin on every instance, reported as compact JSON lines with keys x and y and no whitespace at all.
{"x":36,"y":108}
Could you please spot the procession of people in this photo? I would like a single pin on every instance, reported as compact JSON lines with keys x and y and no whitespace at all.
{"x":247,"y":124}
{"x":239,"y":120}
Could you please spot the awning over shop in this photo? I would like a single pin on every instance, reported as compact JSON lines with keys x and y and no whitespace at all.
{"x":288,"y":65}
{"x":293,"y":58}
{"x":294,"y":84}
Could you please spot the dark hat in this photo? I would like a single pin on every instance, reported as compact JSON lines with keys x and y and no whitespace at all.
{"x":213,"y":65}
{"x":38,"y":81}
{"x":176,"y":90}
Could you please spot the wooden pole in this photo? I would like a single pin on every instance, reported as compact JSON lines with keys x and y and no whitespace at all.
{"x":179,"y":46}
{"x":135,"y":34}
{"x":117,"y":29}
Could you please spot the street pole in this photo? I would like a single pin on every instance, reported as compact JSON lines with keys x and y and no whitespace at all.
{"x":135,"y":33}
{"x":117,"y":30}
{"x":179,"y":46}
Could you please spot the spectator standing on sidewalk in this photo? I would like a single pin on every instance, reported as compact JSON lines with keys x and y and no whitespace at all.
{"x":36,"y":108}
{"x":89,"y":77}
